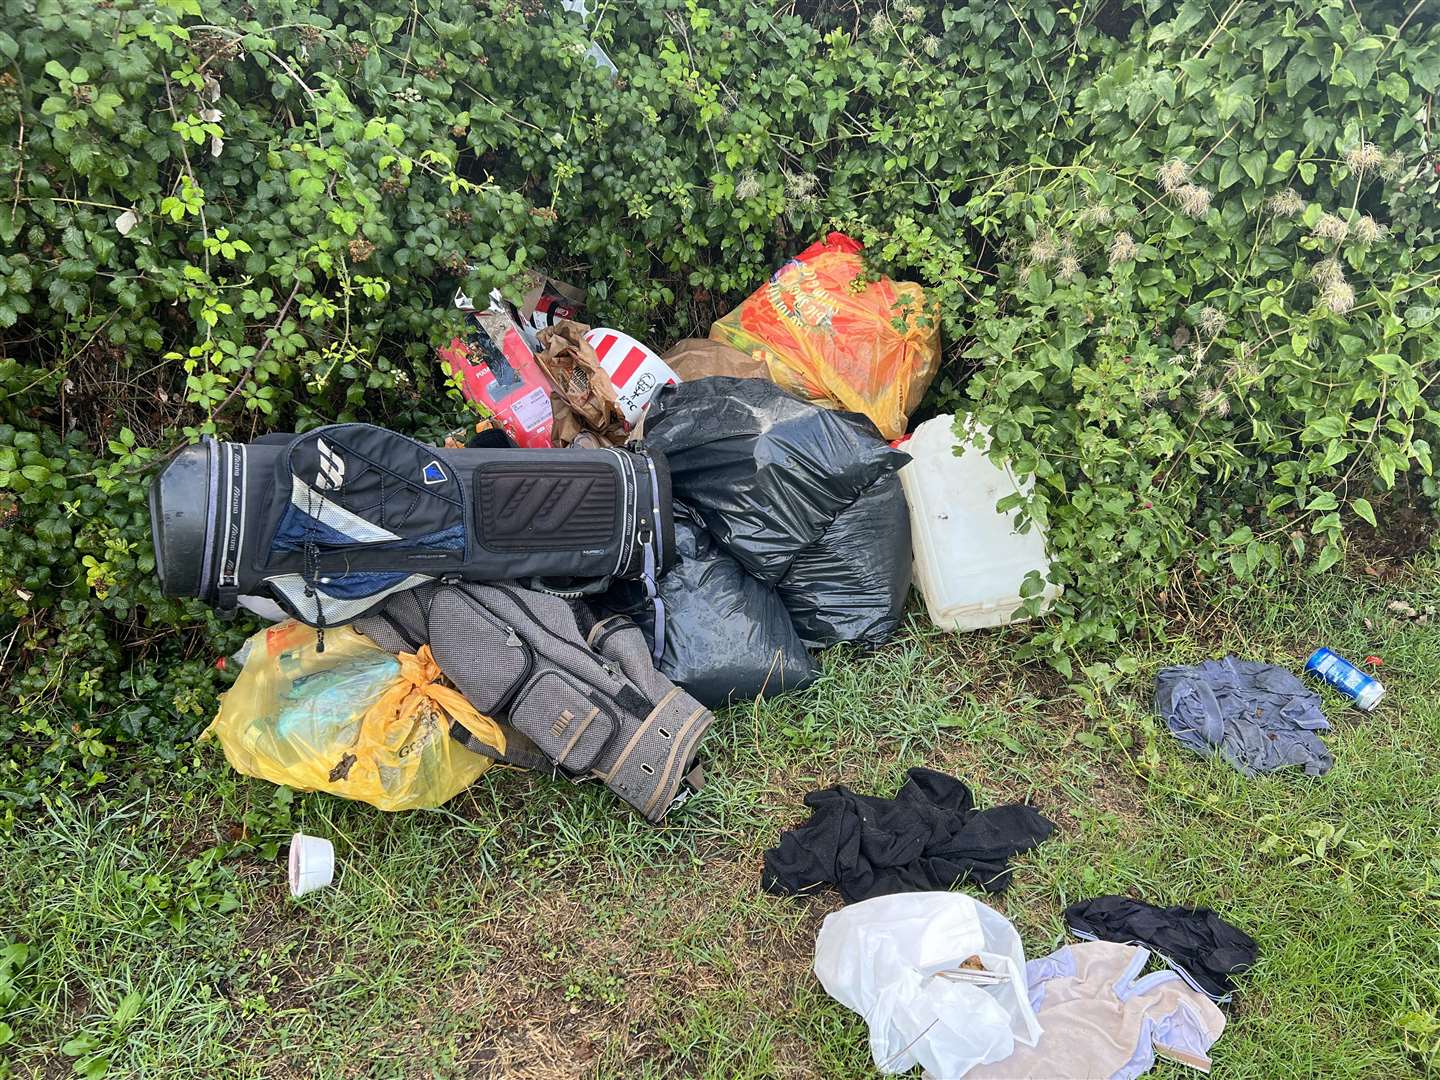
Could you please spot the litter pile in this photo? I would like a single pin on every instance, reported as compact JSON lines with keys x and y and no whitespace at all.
{"x":629,"y":540}
{"x":943,"y":983}
{"x":715,"y":519}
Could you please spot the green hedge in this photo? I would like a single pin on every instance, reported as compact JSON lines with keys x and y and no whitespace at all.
{"x":1185,"y":257}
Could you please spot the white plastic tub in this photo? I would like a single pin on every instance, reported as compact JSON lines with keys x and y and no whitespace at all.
{"x":969,"y":560}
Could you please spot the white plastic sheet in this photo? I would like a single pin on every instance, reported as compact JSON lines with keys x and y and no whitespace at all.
{"x":894,"y":959}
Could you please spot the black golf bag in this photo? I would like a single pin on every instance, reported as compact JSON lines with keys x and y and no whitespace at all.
{"x":331,"y":522}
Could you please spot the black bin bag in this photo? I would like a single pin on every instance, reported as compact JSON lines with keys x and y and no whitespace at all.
{"x":807,"y":504}
{"x":728,"y":636}
{"x":766,"y":472}
{"x":850,"y":585}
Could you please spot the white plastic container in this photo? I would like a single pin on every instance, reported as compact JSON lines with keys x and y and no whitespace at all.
{"x":969,"y":560}
{"x":312,"y":863}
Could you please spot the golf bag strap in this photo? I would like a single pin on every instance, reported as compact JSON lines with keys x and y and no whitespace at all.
{"x":520,"y":752}
{"x":650,"y":768}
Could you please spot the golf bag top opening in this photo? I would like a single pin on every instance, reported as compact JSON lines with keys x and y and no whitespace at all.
{"x":331,"y":522}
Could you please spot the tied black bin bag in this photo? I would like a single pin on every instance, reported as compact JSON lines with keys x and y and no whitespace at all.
{"x":726,"y":633}
{"x":806,"y":503}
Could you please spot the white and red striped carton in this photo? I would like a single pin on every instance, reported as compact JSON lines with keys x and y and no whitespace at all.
{"x":636,"y":371}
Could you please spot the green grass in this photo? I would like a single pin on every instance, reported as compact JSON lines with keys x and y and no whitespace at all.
{"x":533,"y":928}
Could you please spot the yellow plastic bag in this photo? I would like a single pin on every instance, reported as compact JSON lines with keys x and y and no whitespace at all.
{"x":354,"y":720}
{"x":829,"y":335}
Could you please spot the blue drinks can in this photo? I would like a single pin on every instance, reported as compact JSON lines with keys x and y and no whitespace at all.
{"x":1344,"y":676}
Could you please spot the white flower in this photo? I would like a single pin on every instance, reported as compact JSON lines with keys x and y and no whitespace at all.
{"x":1122,"y":248}
{"x":1215,"y":400}
{"x":798,"y":185}
{"x":1286,"y":203}
{"x":1338,"y":296}
{"x":1365,"y":158}
{"x":1331,"y":227}
{"x":1194,"y":200}
{"x":1212,"y":321}
{"x":1173,"y":175}
{"x":1042,"y":249}
{"x":1327,"y":272}
{"x":1367,"y":230}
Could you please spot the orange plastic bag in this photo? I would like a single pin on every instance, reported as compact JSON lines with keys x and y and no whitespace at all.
{"x":870,"y":347}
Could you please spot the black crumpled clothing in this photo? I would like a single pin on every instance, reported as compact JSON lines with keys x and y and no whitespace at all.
{"x":1194,"y":939}
{"x":928,"y":837}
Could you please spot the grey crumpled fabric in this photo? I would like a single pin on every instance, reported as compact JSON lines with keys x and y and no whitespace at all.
{"x":1258,"y":717}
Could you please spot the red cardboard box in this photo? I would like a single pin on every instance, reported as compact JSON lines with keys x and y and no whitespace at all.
{"x":498,"y":370}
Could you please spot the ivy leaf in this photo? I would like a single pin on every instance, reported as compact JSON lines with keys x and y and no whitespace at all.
{"x":1359,"y":64}
{"x":1273,"y":53}
{"x":1229,"y":173}
{"x":1363,"y":508}
{"x":1329,"y":556}
{"x":1396,"y":87}
{"x":1323,"y":427}
{"x":1254,"y":165}
{"x":1298,"y":73}
{"x":1239,"y":565}
{"x":1326,"y":500}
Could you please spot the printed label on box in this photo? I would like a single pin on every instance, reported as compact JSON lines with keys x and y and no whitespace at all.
{"x":532,"y":410}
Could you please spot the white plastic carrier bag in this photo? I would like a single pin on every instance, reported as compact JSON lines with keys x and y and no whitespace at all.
{"x":939,"y":978}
